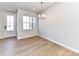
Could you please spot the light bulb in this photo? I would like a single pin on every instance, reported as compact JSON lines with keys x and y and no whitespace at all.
{"x":39,"y":16}
{"x":43,"y":15}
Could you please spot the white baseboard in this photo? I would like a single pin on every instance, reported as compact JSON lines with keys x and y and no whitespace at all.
{"x":26,"y":36}
{"x":6,"y":37}
{"x":65,"y":46}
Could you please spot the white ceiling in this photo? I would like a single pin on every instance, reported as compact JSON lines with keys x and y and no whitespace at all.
{"x":31,"y":6}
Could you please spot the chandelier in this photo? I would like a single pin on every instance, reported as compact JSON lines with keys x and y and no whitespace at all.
{"x":41,"y":14}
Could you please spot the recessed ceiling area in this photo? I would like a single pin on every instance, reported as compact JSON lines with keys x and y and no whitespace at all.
{"x":31,"y":6}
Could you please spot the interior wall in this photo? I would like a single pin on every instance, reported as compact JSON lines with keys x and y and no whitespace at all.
{"x":24,"y":33}
{"x":3,"y":22}
{"x":62,"y":24}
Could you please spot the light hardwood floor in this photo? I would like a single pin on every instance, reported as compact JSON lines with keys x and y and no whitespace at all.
{"x":34,"y":46}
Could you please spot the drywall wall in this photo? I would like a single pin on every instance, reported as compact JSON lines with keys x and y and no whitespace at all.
{"x":3,"y":22}
{"x":24,"y":33}
{"x":62,"y":24}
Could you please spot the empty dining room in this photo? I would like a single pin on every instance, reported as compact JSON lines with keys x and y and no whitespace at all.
{"x":39,"y":28}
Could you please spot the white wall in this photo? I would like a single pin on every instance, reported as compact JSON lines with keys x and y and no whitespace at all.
{"x":3,"y":22}
{"x":20,"y":32}
{"x":62,"y":24}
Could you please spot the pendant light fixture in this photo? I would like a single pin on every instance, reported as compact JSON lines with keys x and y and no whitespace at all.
{"x":41,"y":15}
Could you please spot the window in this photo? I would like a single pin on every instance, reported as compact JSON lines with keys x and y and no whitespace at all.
{"x":28,"y":23}
{"x":10,"y":23}
{"x":34,"y":22}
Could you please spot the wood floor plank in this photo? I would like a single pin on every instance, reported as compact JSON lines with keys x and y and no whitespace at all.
{"x":34,"y":46}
